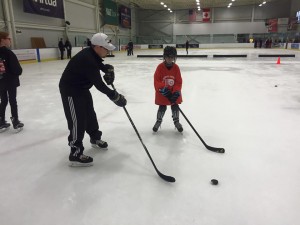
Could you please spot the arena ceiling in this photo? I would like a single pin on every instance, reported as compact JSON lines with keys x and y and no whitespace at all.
{"x":190,"y":4}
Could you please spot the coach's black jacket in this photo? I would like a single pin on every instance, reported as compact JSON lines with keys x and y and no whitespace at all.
{"x":82,"y":72}
{"x":13,"y":69}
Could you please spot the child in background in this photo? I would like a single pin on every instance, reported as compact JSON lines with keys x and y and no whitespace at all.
{"x":10,"y":70}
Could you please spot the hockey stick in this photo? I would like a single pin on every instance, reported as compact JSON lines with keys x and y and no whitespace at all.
{"x":218,"y":150}
{"x":164,"y":177}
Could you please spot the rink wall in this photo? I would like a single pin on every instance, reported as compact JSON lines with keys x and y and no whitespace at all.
{"x":41,"y":54}
{"x":48,"y":54}
{"x":293,"y":46}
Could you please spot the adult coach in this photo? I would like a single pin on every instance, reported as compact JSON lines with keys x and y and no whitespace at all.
{"x":81,"y":73}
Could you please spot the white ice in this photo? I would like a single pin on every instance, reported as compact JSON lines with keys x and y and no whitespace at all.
{"x":232,"y":103}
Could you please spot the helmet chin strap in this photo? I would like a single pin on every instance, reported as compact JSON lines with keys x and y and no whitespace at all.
{"x":169,"y":65}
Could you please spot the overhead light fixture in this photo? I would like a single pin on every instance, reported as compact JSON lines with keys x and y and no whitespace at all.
{"x":165,"y":6}
{"x":264,"y":2}
{"x":228,"y":6}
{"x":260,"y":4}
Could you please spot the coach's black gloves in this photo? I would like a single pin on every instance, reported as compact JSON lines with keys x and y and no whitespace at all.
{"x":109,"y":76}
{"x":119,"y":99}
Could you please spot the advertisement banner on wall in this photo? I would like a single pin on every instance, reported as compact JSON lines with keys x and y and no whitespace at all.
{"x":54,"y":8}
{"x":190,"y":45}
{"x":25,"y":54}
{"x":295,"y":46}
{"x":125,"y":16}
{"x":110,"y":13}
{"x":155,"y":46}
{"x":272,"y":25}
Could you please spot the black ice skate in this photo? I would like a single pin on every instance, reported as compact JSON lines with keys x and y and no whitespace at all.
{"x":156,"y":125}
{"x":3,"y":125}
{"x":80,"y":160}
{"x":178,"y":126}
{"x":18,"y":126}
{"x":99,"y":144}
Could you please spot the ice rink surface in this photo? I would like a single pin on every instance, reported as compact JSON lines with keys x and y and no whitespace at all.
{"x":232,"y":103}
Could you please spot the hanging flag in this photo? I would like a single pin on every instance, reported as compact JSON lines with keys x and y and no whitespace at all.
{"x":272,"y":25}
{"x":292,"y":25}
{"x":205,"y":15}
{"x":192,"y":15}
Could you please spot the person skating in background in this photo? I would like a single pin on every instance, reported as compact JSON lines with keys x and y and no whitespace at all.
{"x":130,"y":48}
{"x":81,"y":73}
{"x":68,"y":46}
{"x":187,"y":46}
{"x":168,"y":84}
{"x":10,"y":70}
{"x":110,"y":52}
{"x":61,"y":48}
{"x":88,"y":42}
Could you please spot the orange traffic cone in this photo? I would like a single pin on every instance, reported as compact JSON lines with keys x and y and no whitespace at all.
{"x":278,"y":60}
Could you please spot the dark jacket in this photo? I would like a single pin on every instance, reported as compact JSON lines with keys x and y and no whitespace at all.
{"x":61,"y":46}
{"x":82,"y":72}
{"x":68,"y":45}
{"x":130,"y":45}
{"x":13,"y":69}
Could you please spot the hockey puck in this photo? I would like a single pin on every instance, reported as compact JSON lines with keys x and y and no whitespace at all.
{"x":214,"y":182}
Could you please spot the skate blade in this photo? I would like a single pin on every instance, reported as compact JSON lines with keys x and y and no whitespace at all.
{"x":179,"y":130}
{"x":19,"y":129}
{"x":78,"y":164}
{"x":97,"y":146}
{"x":4,"y":129}
{"x":154,"y":130}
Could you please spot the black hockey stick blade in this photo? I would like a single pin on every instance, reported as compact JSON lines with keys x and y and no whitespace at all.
{"x":213,"y":149}
{"x":210,"y":148}
{"x":163,"y":176}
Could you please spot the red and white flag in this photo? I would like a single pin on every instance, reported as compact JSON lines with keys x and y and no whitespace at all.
{"x":192,"y":15}
{"x":205,"y":15}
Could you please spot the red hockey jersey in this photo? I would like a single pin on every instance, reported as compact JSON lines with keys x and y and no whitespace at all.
{"x":170,"y":78}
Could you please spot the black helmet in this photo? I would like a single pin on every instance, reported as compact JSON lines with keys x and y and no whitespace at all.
{"x":170,"y":51}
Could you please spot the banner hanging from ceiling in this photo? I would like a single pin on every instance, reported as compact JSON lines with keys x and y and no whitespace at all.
{"x":272,"y":25}
{"x":192,"y":15}
{"x":125,"y":16}
{"x":51,"y":8}
{"x":293,"y":23}
{"x":110,"y":13}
